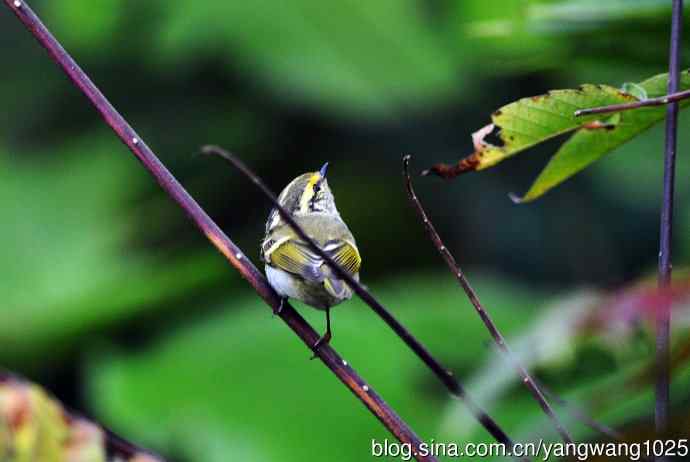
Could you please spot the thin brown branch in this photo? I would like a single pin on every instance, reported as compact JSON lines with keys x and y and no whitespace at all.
{"x":663,"y":312}
{"x":586,"y":419}
{"x":583,"y":416}
{"x":474,"y":299}
{"x":443,"y":374}
{"x":660,"y":101}
{"x":232,"y":253}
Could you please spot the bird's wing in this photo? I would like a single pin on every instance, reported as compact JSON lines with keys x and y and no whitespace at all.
{"x":345,"y":254}
{"x":297,"y":258}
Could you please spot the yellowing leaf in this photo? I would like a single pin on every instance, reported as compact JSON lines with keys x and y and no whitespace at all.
{"x":35,"y":428}
{"x":530,"y":121}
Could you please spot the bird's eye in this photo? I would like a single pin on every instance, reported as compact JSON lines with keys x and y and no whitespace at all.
{"x":317,"y":188}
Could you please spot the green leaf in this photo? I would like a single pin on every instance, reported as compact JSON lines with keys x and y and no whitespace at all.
{"x":530,"y":121}
{"x":587,"y":146}
{"x":634,"y":89}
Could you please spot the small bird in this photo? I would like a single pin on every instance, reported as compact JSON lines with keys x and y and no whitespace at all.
{"x":293,"y":269}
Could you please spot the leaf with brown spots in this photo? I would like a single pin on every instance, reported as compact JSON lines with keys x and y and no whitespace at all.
{"x":530,"y":121}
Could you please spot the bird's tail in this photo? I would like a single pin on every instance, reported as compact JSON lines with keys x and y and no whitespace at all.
{"x":337,"y":288}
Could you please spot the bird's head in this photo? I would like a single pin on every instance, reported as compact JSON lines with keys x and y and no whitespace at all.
{"x":308,"y":193}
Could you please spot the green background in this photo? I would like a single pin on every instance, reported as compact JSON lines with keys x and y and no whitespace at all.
{"x":114,"y":301}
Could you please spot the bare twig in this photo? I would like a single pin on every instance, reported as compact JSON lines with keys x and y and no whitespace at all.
{"x":660,"y":101}
{"x":474,"y":299}
{"x":444,"y":375}
{"x":583,"y":416}
{"x":232,"y":253}
{"x":663,"y":313}
{"x":588,"y":420}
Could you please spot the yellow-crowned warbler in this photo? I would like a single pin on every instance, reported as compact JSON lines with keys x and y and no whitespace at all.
{"x":293,"y":269}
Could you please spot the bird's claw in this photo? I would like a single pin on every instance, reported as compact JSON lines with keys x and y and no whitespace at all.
{"x":320,"y":343}
{"x":279,"y":309}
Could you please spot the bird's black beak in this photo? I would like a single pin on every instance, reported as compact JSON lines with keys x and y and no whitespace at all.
{"x":324,"y":170}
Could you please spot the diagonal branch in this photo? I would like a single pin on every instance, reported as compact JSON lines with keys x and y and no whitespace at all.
{"x":583,"y":416}
{"x":444,"y":375}
{"x":232,"y":253}
{"x":483,"y":314}
{"x":663,"y":312}
{"x":660,"y":101}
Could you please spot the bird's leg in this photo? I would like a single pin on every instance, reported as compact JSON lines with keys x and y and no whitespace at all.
{"x":277,"y":311}
{"x":326,"y":338}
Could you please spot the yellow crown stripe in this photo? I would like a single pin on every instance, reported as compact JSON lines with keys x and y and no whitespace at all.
{"x":308,"y":193}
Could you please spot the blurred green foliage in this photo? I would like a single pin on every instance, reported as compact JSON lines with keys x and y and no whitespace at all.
{"x":65,"y":271}
{"x":209,"y":367}
{"x":339,"y":55}
{"x":113,"y":300}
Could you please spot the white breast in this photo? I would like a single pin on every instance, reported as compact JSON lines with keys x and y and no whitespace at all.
{"x":283,"y":282}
